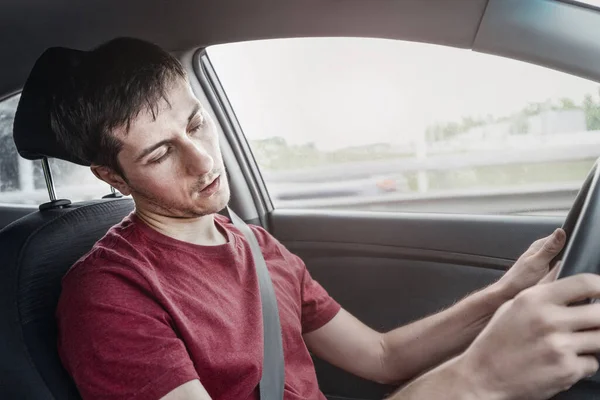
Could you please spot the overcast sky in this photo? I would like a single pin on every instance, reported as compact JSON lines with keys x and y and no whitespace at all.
{"x":339,"y":92}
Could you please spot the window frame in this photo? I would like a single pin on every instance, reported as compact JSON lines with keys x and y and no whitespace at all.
{"x":226,"y":118}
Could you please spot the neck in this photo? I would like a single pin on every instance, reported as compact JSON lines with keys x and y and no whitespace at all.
{"x":195,"y":230}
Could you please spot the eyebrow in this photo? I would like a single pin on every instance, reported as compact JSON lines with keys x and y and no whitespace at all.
{"x":155,"y":146}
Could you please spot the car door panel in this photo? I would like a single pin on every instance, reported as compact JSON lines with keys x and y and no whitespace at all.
{"x":390,"y":269}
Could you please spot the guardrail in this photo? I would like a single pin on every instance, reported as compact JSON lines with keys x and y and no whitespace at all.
{"x":531,"y":199}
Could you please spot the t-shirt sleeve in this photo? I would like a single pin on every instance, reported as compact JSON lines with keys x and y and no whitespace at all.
{"x":318,"y":307}
{"x":115,"y":340}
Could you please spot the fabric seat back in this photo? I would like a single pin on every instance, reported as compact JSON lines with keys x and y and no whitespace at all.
{"x":37,"y":250}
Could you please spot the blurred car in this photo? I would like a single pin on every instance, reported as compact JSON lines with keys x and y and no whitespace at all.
{"x":365,"y":187}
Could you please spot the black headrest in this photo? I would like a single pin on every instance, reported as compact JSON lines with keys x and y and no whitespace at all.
{"x":33,"y":135}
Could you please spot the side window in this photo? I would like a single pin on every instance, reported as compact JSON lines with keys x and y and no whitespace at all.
{"x":22,"y":181}
{"x":373,"y":124}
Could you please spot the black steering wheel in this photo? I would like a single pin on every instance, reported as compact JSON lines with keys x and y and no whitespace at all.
{"x":582,"y":226}
{"x":582,"y":254}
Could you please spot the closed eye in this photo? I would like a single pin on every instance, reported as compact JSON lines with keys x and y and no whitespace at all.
{"x":195,"y":129}
{"x":198,"y":123}
{"x":162,"y":157}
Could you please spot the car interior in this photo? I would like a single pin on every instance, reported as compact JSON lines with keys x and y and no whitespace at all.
{"x":386,"y":268}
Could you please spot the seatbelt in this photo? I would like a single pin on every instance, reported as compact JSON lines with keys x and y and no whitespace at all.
{"x":273,"y":373}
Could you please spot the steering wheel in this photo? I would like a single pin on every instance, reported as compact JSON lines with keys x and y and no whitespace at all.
{"x":582,"y":254}
{"x":582,"y":226}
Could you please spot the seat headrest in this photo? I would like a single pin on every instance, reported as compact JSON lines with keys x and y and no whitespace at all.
{"x":32,"y":132}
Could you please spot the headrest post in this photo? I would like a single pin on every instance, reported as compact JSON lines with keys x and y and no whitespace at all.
{"x":48,"y":178}
{"x":113,"y":194}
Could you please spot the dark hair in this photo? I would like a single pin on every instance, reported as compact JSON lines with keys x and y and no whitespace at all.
{"x":112,"y":85}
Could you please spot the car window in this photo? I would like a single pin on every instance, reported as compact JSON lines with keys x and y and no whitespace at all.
{"x":386,"y":125}
{"x":22,"y":181}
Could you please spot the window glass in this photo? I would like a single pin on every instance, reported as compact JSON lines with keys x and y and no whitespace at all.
{"x":22,"y":181}
{"x":373,"y":124}
{"x":595,"y":3}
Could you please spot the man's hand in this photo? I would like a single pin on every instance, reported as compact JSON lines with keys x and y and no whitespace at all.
{"x":536,"y":345}
{"x":534,"y":264}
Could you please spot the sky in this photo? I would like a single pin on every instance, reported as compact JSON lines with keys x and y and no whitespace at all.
{"x":339,"y":92}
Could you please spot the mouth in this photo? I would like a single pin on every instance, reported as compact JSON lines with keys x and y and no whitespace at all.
{"x":212,"y":187}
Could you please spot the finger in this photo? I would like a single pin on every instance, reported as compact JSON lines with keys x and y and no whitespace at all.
{"x":571,"y":289}
{"x":588,"y":365}
{"x":586,"y":342}
{"x":550,"y":276}
{"x":551,"y":246}
{"x":582,"y":317}
{"x":535,"y":246}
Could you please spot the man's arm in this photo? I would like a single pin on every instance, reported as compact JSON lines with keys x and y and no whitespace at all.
{"x":449,"y":381}
{"x":407,"y":351}
{"x":192,"y":390}
{"x":535,"y":346}
{"x":105,"y":356}
{"x":410,"y":350}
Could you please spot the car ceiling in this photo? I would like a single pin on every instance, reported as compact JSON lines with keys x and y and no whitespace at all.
{"x":28,"y":27}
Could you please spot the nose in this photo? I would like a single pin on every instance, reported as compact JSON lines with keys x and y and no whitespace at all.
{"x":198,"y":161}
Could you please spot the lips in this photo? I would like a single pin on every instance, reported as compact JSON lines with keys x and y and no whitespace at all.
{"x":212,"y":187}
{"x":212,"y":183}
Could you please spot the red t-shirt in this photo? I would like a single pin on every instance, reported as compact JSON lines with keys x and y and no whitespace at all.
{"x":143,"y":313}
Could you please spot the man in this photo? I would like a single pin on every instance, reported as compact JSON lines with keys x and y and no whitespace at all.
{"x":167,"y":305}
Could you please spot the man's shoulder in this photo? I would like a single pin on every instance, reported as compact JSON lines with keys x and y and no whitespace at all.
{"x":121,"y":247}
{"x":113,"y":274}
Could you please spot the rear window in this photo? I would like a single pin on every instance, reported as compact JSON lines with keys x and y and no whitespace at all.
{"x":22,"y":181}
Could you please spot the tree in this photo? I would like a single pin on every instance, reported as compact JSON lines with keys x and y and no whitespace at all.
{"x":536,"y":108}
{"x":592,"y":113}
{"x":566,"y":104}
{"x":519,"y":121}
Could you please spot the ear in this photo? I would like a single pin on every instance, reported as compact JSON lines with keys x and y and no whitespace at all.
{"x":111,"y":177}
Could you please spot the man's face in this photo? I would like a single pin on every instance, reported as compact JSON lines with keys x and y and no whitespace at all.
{"x":173,"y":164}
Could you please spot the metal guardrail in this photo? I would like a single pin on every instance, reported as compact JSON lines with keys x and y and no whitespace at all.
{"x":531,"y":199}
{"x":553,"y":199}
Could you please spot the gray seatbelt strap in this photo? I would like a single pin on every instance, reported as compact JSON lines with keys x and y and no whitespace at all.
{"x":273,"y":374}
